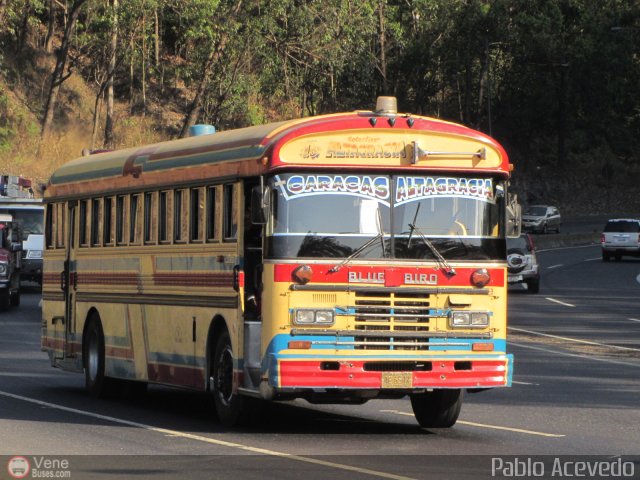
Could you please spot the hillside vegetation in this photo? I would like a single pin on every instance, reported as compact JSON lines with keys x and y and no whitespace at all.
{"x":555,"y":81}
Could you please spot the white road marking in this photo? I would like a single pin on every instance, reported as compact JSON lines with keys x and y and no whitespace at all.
{"x":524,"y":383}
{"x":593,"y":259}
{"x":483,"y":425}
{"x":556,"y":266}
{"x":634,"y":319}
{"x":214,"y":441}
{"x":575,"y":340}
{"x":638,"y":279}
{"x":559,"y":302}
{"x":577,"y":355}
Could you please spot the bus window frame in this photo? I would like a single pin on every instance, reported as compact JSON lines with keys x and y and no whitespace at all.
{"x":135,"y":223}
{"x":212,"y":214}
{"x":199,"y":218}
{"x":121,"y":220}
{"x":149,"y":223}
{"x":230,"y":215}
{"x":108,"y":233}
{"x":83,"y":223}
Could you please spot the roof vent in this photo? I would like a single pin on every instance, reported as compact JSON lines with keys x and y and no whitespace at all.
{"x":197,"y":130}
{"x":386,"y":106}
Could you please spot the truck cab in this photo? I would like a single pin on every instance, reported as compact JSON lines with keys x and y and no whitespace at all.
{"x":10,"y":262}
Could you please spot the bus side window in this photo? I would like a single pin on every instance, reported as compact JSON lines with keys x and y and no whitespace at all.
{"x":95,"y":222}
{"x":120,"y":204}
{"x":83,"y":224}
{"x":163,"y":217}
{"x":60,"y":225}
{"x":230,"y":213}
{"x":212,"y":215}
{"x":149,"y":218}
{"x":196,"y":215}
{"x":178,"y":211}
{"x":49,"y":232}
{"x":134,"y":209}
{"x":107,"y":224}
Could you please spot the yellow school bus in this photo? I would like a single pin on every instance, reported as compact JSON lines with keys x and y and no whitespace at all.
{"x":335,"y":258}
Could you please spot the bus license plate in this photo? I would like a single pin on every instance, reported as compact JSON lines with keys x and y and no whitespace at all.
{"x":397,"y":379}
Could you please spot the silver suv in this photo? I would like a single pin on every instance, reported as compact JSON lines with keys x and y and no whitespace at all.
{"x":541,"y":219}
{"x":522,"y":263}
{"x":621,"y":236}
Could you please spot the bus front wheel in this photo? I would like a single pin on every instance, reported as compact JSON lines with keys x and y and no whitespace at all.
{"x":437,"y":409}
{"x":228,"y":404}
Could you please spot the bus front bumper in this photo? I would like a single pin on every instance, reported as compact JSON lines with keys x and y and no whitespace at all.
{"x":407,"y":373}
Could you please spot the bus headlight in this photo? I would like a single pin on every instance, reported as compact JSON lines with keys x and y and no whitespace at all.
{"x":468,"y":319}
{"x":34,"y":254}
{"x":313,"y":317}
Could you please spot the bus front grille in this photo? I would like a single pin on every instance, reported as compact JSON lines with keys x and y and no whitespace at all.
{"x":391,"y":312}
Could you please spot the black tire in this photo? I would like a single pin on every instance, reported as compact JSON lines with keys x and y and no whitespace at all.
{"x":606,"y":257}
{"x":5,"y":299}
{"x":15,"y":299}
{"x":93,"y":358}
{"x":228,"y":404}
{"x":437,"y":409}
{"x":618,"y":257}
{"x":544,"y":228}
{"x":533,"y":285}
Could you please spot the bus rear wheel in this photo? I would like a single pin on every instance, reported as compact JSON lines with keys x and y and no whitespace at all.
{"x":94,"y":379}
{"x":437,"y":409}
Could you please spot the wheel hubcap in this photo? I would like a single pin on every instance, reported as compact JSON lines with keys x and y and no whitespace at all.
{"x":93,"y":358}
{"x":224,"y":376}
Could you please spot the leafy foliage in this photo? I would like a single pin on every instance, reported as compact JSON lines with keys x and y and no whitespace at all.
{"x":554,"y":80}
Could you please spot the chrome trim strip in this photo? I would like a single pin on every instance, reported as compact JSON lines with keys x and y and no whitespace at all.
{"x":396,"y":344}
{"x":387,"y":334}
{"x":366,"y":289}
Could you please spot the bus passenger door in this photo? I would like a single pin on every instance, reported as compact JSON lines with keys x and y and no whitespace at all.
{"x":69,"y":284}
{"x":252,"y":253}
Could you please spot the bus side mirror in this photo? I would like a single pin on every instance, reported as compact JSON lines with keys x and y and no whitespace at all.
{"x":514,"y":217}
{"x":257,"y":207}
{"x":16,"y":247}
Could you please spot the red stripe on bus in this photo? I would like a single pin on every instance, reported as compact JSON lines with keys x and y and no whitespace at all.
{"x":390,"y":276}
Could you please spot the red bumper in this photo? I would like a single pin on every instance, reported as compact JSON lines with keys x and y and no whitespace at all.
{"x":465,"y":373}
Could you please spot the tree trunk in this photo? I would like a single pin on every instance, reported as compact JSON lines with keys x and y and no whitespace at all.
{"x":58,"y":73}
{"x":108,"y":128}
{"x":214,"y":57}
{"x":24,"y":27}
{"x":51,"y":27}
{"x":383,"y":47}
{"x":156,"y":39}
{"x":3,"y":4}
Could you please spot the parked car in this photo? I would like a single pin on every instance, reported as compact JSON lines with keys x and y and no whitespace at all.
{"x":522,"y":263}
{"x":621,"y":236}
{"x":541,"y":219}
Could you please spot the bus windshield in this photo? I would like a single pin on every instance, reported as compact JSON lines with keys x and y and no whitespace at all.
{"x":330,"y":215}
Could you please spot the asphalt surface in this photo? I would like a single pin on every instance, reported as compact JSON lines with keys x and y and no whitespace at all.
{"x":576,"y":392}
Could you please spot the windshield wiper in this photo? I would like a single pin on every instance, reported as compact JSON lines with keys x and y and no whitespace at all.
{"x":379,"y":236}
{"x":412,"y":225}
{"x":449,"y":271}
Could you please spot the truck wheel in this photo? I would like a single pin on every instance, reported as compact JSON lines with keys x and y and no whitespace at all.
{"x":4,"y":299}
{"x":437,"y":409}
{"x":605,"y":257}
{"x":533,"y":285}
{"x":15,"y":299}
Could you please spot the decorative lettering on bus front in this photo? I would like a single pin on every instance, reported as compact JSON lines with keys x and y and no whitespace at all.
{"x":413,"y":188}
{"x":366,"y":150}
{"x":374,"y":187}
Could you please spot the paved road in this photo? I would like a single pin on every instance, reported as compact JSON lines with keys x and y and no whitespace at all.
{"x":576,"y":391}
